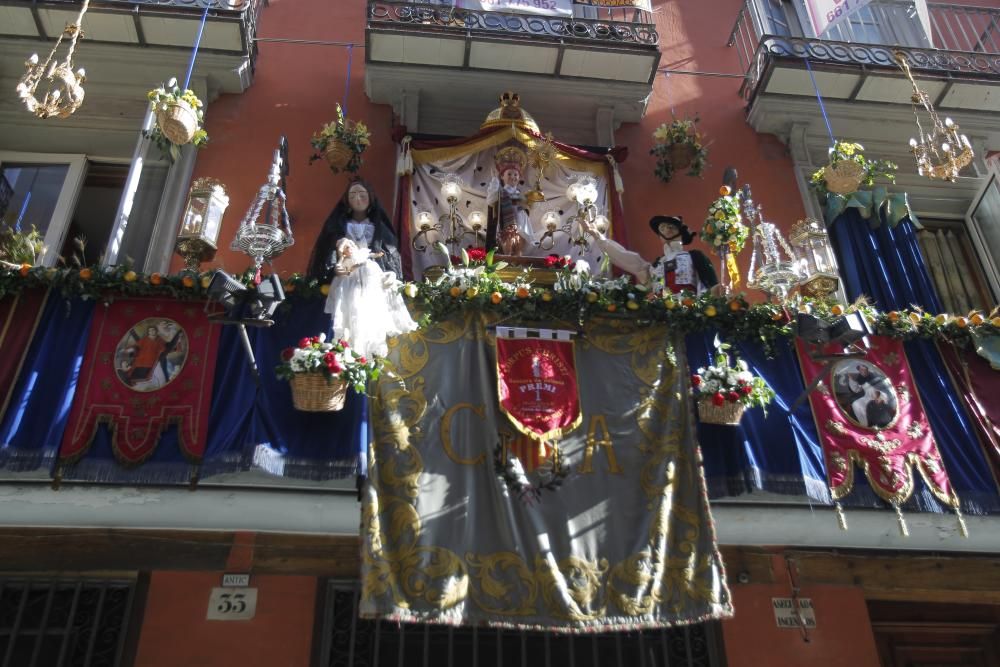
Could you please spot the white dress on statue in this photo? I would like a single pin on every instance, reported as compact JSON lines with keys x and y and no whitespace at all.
{"x":366,"y":305}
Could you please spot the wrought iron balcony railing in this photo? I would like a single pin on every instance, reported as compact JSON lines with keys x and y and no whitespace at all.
{"x":619,"y":26}
{"x":963,"y":40}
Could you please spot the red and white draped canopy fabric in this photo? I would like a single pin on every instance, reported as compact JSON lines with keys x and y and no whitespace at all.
{"x":868,"y":412}
{"x":536,"y":380}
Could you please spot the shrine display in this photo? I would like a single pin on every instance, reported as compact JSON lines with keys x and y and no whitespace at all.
{"x":510,"y":187}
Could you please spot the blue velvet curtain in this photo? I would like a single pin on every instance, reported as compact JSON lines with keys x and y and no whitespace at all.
{"x":36,"y":417}
{"x":778,"y":452}
{"x":886,"y":264}
{"x":249,"y":427}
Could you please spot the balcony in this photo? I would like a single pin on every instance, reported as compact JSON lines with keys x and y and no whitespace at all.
{"x":230,"y":26}
{"x":961,"y":54}
{"x":441,"y":67}
{"x":128,"y":47}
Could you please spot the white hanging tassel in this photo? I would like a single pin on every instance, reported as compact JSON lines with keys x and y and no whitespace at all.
{"x":903,"y":529}
{"x":961,"y":524}
{"x":619,"y":185}
{"x":841,"y":517}
{"x":404,"y":162}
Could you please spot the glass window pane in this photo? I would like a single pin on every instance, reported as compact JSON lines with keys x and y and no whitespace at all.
{"x":986,"y":217}
{"x":29,"y":192}
{"x":145,"y":206}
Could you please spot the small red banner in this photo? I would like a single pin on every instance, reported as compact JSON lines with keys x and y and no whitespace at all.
{"x":868,"y":413}
{"x":19,"y":316}
{"x":537,"y":384}
{"x":149,"y":363}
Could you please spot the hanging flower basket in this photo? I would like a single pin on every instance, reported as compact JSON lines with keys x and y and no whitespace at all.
{"x":677,"y":146}
{"x":727,"y":414}
{"x":313,"y":392}
{"x":341,"y":143}
{"x":178,"y":122}
{"x":337,"y":155}
{"x":843,"y":177}
{"x":849,"y":171}
{"x":682,"y":155}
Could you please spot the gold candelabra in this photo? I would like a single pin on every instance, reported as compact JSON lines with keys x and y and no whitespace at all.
{"x":64,"y":93}
{"x":941,"y":152}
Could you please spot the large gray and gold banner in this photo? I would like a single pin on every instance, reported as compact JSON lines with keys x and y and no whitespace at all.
{"x":624,"y":542}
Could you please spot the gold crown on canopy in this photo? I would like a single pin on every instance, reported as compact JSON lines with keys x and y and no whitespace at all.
{"x":509,"y":113}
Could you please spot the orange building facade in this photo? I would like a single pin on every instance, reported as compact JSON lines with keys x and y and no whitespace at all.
{"x":157,"y":557}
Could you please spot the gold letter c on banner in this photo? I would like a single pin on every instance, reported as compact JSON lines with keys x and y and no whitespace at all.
{"x":446,"y":433}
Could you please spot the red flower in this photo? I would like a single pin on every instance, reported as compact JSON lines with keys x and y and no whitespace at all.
{"x":305,"y":342}
{"x":334,"y":367}
{"x":732,"y":396}
{"x":343,"y":343}
{"x":287,"y":353}
{"x":718,"y":399}
{"x":555,"y":262}
{"x":696,"y":380}
{"x":316,"y":339}
{"x":455,"y":259}
{"x":476,"y":254}
{"x":362,"y":360}
{"x":328,"y":358}
{"x":746,"y":389}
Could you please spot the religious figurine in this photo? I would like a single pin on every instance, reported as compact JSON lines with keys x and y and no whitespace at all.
{"x":509,"y":227}
{"x":676,"y":270}
{"x":358,"y":216}
{"x":365,"y":302}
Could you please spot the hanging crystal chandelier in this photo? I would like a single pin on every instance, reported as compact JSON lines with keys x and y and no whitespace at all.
{"x":64,"y":93}
{"x":941,"y":152}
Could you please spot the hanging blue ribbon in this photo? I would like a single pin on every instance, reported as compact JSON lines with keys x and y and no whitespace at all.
{"x":819,"y":98}
{"x":194,"y":52}
{"x":347,"y":81}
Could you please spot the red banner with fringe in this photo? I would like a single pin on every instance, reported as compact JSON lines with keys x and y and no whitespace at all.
{"x":868,"y":413}
{"x":150,"y":363}
{"x":536,"y":380}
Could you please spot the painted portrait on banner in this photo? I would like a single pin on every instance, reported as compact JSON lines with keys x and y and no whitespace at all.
{"x":151,"y":354}
{"x":864,"y":394}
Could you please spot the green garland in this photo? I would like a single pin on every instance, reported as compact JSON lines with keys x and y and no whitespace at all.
{"x":733,"y":317}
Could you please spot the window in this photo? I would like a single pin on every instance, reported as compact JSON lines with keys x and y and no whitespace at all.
{"x":51,"y":623}
{"x":884,"y":22}
{"x":953,"y":265}
{"x":984,"y":222}
{"x":40,"y":191}
{"x":350,"y":641}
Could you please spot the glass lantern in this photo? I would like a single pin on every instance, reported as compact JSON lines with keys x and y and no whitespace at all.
{"x":199,"y":233}
{"x":451,"y":188}
{"x":820,"y":277}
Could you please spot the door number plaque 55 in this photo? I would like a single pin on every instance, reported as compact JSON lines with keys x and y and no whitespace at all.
{"x":232,"y":604}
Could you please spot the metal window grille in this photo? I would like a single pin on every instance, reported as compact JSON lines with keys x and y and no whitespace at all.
{"x":350,"y":641}
{"x":57,"y":623}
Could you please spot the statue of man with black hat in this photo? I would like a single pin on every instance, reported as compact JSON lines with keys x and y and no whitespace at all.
{"x":676,"y":270}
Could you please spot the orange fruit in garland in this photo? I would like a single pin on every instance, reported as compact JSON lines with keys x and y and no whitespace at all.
{"x":25,"y":269}
{"x":155,"y":279}
{"x":86,"y":274}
